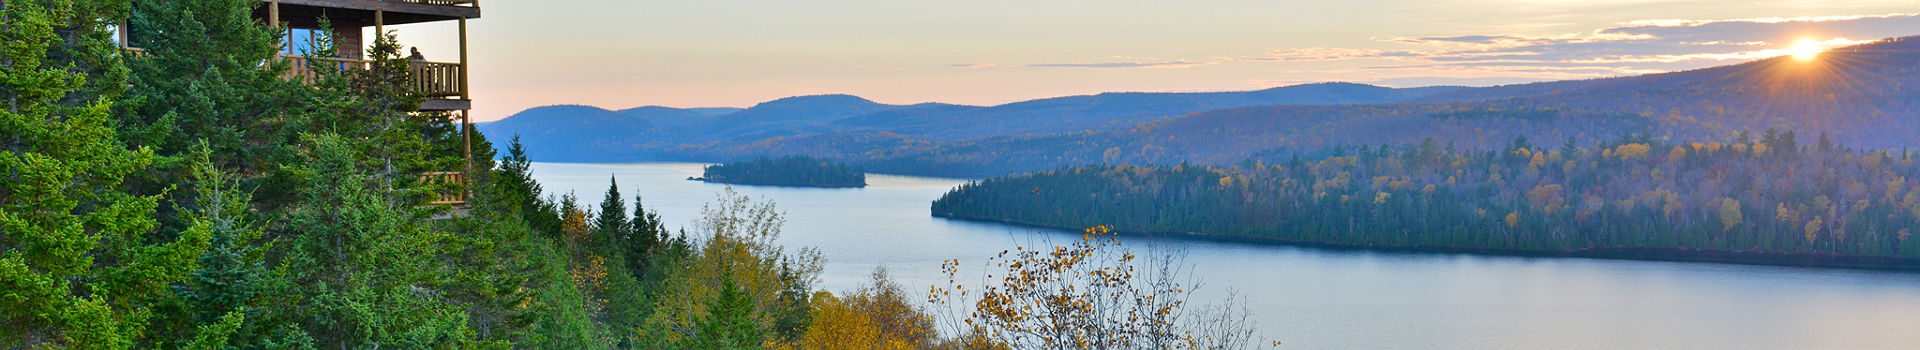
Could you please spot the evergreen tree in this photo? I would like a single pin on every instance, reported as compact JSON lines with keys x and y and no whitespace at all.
{"x":730,"y":322}
{"x":611,"y":225}
{"x":366,"y":273}
{"x":203,"y":78}
{"x":513,"y":186}
{"x":380,"y":104}
{"x":231,"y":271}
{"x":77,"y":264}
{"x":648,"y":232}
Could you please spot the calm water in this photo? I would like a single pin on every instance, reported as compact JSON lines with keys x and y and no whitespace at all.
{"x":1321,"y":299}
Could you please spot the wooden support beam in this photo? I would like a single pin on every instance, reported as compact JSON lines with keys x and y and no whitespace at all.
{"x":379,"y":24}
{"x":273,"y":14}
{"x":466,"y":137}
{"x":464,"y":67}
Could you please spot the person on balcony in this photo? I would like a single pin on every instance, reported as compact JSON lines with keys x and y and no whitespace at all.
{"x":416,"y":55}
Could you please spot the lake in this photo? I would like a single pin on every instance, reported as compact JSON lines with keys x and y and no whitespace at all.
{"x":1341,"y":299}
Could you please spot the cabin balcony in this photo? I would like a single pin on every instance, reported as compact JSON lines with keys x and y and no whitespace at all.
{"x":443,"y":84}
{"x":451,"y":187}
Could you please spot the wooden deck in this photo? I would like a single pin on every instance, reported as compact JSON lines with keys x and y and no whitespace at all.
{"x":455,"y":183}
{"x":433,"y":80}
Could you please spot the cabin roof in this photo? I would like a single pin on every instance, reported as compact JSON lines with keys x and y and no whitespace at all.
{"x":361,"y":12}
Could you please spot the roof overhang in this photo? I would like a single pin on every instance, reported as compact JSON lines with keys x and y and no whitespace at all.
{"x":345,"y":11}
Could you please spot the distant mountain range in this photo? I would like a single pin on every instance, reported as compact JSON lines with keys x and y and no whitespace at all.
{"x":1863,"y":96}
{"x":572,"y":133}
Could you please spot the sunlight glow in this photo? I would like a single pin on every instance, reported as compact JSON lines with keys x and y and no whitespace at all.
{"x":1806,"y":50}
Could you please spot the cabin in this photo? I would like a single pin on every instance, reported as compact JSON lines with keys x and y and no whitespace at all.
{"x":441,"y":81}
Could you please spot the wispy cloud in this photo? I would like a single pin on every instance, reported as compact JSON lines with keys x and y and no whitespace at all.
{"x":973,"y":65}
{"x":1636,"y":45}
{"x":1125,"y":64}
{"x":1629,"y":48}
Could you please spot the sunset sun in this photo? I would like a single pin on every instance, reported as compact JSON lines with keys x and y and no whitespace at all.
{"x":1806,"y":50}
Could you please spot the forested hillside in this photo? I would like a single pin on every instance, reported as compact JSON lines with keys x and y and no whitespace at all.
{"x":602,"y":137}
{"x":1772,"y":195}
{"x":1865,"y":95}
{"x":591,"y":128}
{"x":192,"y":196}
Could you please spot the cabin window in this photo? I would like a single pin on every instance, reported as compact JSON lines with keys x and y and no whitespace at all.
{"x":302,"y":42}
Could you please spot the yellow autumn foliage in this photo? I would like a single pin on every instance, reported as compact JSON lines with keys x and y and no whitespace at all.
{"x":877,"y":316}
{"x":1632,"y":151}
{"x":737,"y":243}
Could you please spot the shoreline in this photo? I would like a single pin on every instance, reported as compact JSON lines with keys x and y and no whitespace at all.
{"x":1632,"y":254}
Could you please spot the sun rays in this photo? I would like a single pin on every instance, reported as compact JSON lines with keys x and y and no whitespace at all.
{"x":1806,"y":50}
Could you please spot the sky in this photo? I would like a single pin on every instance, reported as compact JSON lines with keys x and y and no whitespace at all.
{"x":735,"y":53}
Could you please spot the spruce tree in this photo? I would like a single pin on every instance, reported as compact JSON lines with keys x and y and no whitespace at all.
{"x":368,"y":275}
{"x":227,"y":285}
{"x":203,"y":79}
{"x":512,"y":185}
{"x":78,"y":266}
{"x":731,"y":321}
{"x":611,"y":225}
{"x":647,"y":234}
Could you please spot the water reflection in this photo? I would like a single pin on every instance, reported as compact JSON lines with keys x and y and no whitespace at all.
{"x":1342,"y":299}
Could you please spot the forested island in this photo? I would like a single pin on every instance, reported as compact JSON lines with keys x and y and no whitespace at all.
{"x":1769,"y":200}
{"x":800,"y":171}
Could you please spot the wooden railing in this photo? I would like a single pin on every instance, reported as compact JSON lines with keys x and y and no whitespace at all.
{"x":438,"y":80}
{"x":309,"y":69}
{"x":431,"y":79}
{"x":453,"y":186}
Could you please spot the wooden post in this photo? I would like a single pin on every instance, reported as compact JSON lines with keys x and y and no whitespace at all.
{"x":122,"y":34}
{"x":466,"y":138}
{"x":464,"y":95}
{"x":273,"y":14}
{"x":379,"y":24}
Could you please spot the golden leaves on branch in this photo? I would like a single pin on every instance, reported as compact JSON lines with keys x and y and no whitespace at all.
{"x":1086,"y":293}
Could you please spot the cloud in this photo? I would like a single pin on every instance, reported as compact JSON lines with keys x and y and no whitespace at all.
{"x":1774,"y":29}
{"x":1331,"y":54}
{"x":1474,"y":39}
{"x":1629,"y":48}
{"x":1125,"y":64}
{"x":1636,"y":47}
{"x":973,"y":65}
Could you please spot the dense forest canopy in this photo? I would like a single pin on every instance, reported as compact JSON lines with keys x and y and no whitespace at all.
{"x":192,"y":197}
{"x":1774,"y":194}
{"x":786,"y":171}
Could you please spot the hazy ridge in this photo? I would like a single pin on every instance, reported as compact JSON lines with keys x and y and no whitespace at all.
{"x":1862,"y":96}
